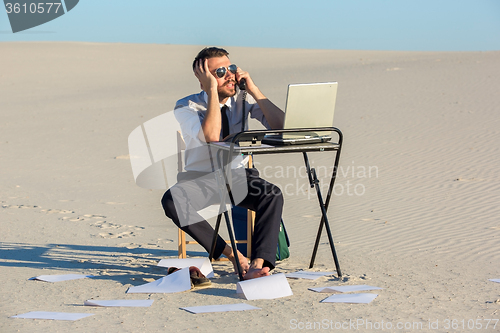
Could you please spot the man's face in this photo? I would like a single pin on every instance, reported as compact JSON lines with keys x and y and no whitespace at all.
{"x":226,"y":84}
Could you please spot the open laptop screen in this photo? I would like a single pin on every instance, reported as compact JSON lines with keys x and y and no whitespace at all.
{"x":307,"y":106}
{"x":310,"y":105}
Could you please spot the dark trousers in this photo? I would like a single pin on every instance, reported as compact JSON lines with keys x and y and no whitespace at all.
{"x":189,"y":196}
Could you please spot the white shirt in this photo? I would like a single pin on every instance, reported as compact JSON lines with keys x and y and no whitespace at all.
{"x":190,"y":112}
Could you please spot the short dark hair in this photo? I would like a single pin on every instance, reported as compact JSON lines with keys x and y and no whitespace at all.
{"x":210,"y":52}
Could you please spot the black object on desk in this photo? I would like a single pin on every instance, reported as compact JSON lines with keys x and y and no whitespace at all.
{"x":246,"y":140}
{"x":224,"y":174}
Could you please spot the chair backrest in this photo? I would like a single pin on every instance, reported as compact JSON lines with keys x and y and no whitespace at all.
{"x":153,"y":152}
{"x":181,"y":147}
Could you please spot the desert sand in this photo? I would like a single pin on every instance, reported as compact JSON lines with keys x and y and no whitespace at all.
{"x":418,"y":214}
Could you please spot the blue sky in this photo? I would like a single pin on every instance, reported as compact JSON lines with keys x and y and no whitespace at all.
{"x":413,"y":25}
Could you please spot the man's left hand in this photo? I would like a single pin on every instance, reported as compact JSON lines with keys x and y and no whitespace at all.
{"x":250,"y":85}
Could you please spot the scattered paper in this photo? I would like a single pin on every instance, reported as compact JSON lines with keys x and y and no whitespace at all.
{"x":59,"y":278}
{"x":350,"y":298}
{"x":220,"y":308}
{"x":267,"y":287}
{"x":121,"y":302}
{"x":172,"y":283}
{"x":203,"y":264}
{"x":495,"y":280}
{"x":344,"y":289}
{"x":308,"y":275}
{"x":53,"y":315}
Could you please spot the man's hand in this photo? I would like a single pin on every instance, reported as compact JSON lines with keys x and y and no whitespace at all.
{"x":250,"y":86}
{"x":211,"y":125}
{"x":274,"y":115}
{"x":207,"y":80}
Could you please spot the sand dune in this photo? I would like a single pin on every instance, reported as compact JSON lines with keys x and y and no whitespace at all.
{"x":423,"y":224}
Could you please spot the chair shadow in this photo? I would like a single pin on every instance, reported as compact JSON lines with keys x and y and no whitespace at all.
{"x":120,"y":264}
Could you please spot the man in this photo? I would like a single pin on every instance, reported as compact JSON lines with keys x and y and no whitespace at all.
{"x":209,"y":116}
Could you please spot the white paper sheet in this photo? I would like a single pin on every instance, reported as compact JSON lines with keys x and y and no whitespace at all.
{"x":172,"y":283}
{"x":308,"y":275}
{"x":343,"y":289}
{"x":267,"y":287}
{"x":121,"y":302}
{"x":350,"y":298}
{"x":53,"y":315}
{"x":59,"y":278}
{"x":220,"y":308}
{"x":203,"y":264}
{"x":495,"y":280}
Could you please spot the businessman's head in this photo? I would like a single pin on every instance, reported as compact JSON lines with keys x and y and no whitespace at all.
{"x":210,"y":52}
{"x":220,"y":67}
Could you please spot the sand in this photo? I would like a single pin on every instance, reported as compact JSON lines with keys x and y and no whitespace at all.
{"x":418,"y":213}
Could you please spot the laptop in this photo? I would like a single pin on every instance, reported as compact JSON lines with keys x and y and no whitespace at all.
{"x":307,"y":106}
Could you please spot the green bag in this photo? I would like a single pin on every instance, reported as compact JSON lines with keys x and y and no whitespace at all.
{"x":240,"y":233}
{"x":283,"y":244}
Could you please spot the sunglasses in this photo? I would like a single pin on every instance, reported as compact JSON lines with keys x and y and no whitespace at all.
{"x":221,"y":72}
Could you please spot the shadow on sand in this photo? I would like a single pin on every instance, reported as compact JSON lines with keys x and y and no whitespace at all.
{"x":120,"y":264}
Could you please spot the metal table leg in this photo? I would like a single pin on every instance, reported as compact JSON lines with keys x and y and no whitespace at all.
{"x":223,"y":179}
{"x":314,"y":182}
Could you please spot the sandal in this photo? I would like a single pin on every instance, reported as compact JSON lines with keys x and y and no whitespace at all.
{"x":198,"y":280}
{"x":172,"y":269}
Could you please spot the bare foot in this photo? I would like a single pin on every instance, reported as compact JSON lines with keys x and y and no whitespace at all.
{"x":254,"y":273}
{"x":228,"y":252}
{"x":257,"y":270}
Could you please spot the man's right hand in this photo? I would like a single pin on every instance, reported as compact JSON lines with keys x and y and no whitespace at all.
{"x":211,"y":125}
{"x":208,"y":82}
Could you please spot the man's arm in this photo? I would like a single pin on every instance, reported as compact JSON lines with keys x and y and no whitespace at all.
{"x":211,"y":125}
{"x":273,"y":114}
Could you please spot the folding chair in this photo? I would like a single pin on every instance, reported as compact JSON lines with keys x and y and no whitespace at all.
{"x":210,"y":211}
